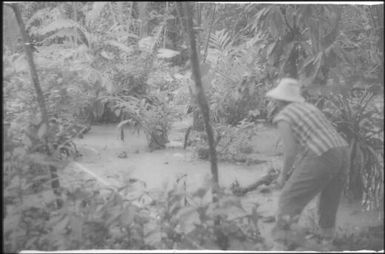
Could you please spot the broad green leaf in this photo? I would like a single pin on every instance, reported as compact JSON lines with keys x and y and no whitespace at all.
{"x":59,"y":25}
{"x":97,"y":8}
{"x":113,"y":215}
{"x":207,"y":198}
{"x":318,"y":62}
{"x":220,"y":40}
{"x":127,"y":216}
{"x":375,"y":155}
{"x":76,"y":224}
{"x":131,"y":35}
{"x":107,"y":55}
{"x":11,"y":222}
{"x":118,"y":112}
{"x":272,"y":47}
{"x":152,"y":233}
{"x":42,"y":130}
{"x":98,"y":109}
{"x":123,"y":123}
{"x":200,"y":192}
{"x":60,"y":227}
{"x":20,"y":151}
{"x":230,"y":202}
{"x":146,"y":43}
{"x":30,"y":244}
{"x":142,"y":217}
{"x":37,"y":17}
{"x":278,"y":21}
{"x":185,"y":212}
{"x":121,"y":46}
{"x":21,"y":64}
{"x":167,"y":53}
{"x":205,"y":68}
{"x":27,"y":141}
{"x":154,"y":238}
{"x":187,"y":218}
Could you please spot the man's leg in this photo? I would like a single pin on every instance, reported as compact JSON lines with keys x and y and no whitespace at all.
{"x":309,"y":177}
{"x":331,"y":195}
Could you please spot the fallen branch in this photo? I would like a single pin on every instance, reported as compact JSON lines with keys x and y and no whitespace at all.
{"x":265,"y":180}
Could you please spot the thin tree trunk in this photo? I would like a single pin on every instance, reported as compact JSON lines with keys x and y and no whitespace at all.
{"x":198,"y":33}
{"x":55,"y":184}
{"x":198,"y":125}
{"x":76,"y":20}
{"x":142,"y":7}
{"x":113,"y":13}
{"x":120,"y":14}
{"x":180,"y":13}
{"x":130,"y":17}
{"x":10,"y":30}
{"x":202,"y":101}
{"x":221,"y":239}
{"x":28,"y":52}
{"x":209,"y":34}
{"x":165,"y":28}
{"x":376,"y":14}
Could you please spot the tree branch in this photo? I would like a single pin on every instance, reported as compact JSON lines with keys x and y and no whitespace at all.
{"x":265,"y":180}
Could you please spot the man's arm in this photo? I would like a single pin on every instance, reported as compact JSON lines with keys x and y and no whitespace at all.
{"x":289,"y":145}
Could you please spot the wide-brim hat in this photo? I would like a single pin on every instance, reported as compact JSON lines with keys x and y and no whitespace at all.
{"x":288,"y":89}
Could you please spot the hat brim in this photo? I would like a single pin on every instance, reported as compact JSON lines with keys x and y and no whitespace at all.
{"x":274,"y":94}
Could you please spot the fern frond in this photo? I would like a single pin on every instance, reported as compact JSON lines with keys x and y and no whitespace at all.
{"x":59,"y":25}
{"x":260,"y":17}
{"x":67,"y":33}
{"x":46,"y":14}
{"x":64,"y":27}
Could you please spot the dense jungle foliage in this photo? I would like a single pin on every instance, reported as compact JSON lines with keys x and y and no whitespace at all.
{"x":128,"y":63}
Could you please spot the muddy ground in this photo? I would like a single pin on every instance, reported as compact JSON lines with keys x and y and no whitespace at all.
{"x":109,"y":161}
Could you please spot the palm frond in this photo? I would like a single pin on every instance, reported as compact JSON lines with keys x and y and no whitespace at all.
{"x":366,"y":99}
{"x":260,"y":18}
{"x":45,"y":15}
{"x":66,"y":33}
{"x":64,"y":28}
{"x":220,"y":40}
{"x":59,"y":24}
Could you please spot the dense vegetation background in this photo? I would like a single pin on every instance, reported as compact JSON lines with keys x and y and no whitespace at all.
{"x":128,"y":63}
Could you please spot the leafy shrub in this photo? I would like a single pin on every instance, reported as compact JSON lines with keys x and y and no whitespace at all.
{"x":145,"y":113}
{"x":129,"y":217}
{"x":370,"y":238}
{"x":361,"y":123}
{"x":237,"y":78}
{"x":234,"y":143}
{"x":236,"y":140}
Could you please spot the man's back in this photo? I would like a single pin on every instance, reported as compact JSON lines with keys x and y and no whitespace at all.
{"x":312,"y":130}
